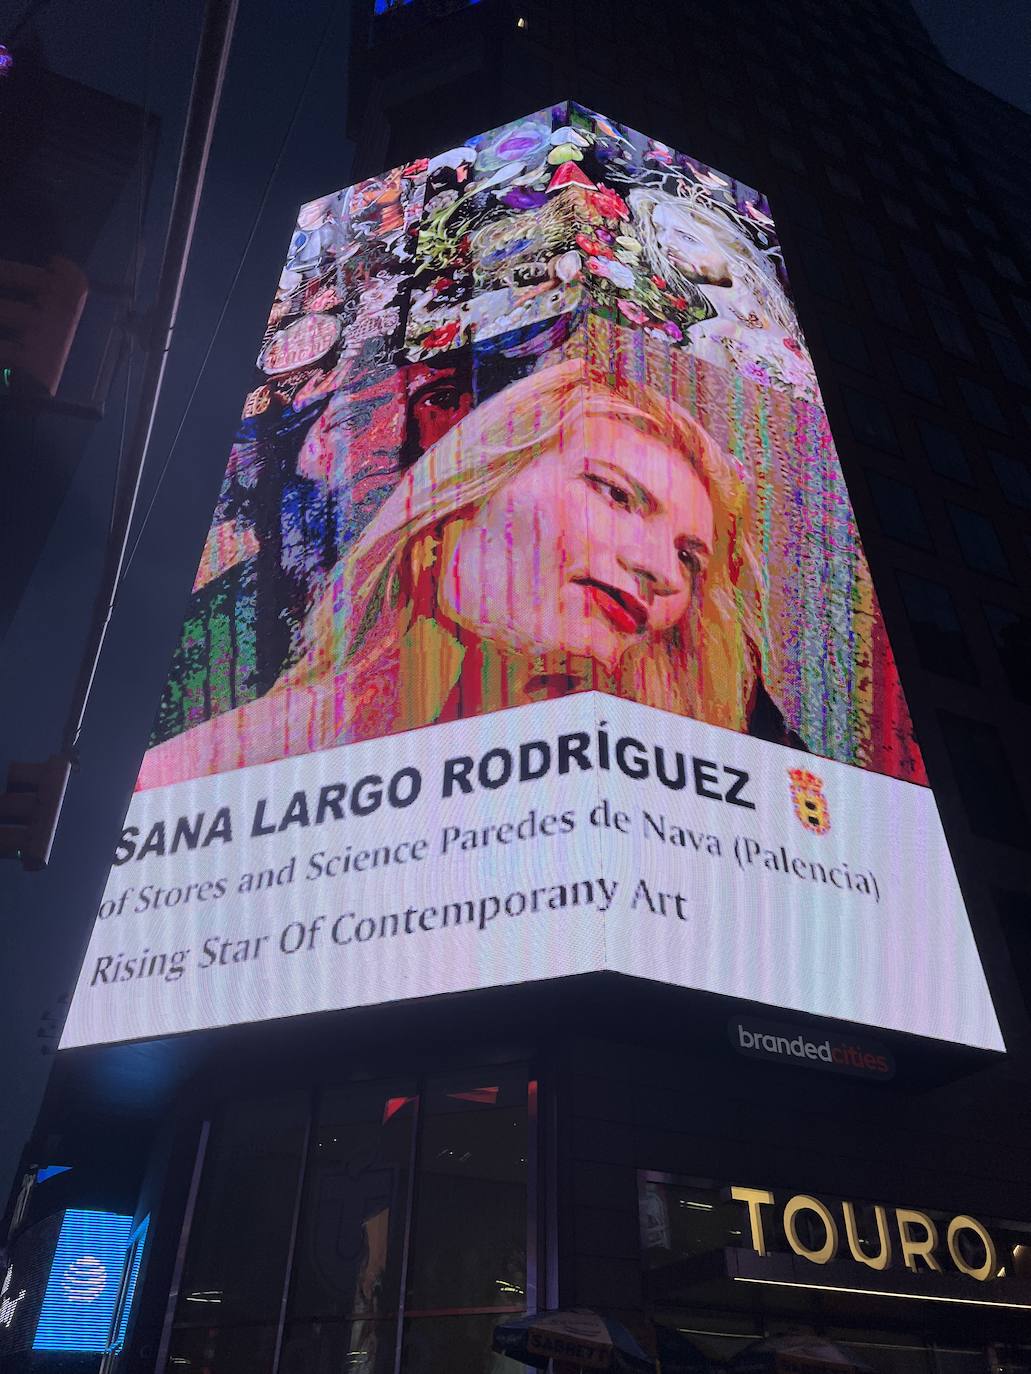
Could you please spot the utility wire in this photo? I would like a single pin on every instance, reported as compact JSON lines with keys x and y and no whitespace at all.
{"x":130,"y":323}
{"x":205,"y":96}
{"x":255,"y":222}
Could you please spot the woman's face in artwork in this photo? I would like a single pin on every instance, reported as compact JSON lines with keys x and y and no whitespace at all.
{"x":693,"y":248}
{"x":596,"y":544}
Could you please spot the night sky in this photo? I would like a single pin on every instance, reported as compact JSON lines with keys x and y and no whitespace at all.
{"x":987,"y":41}
{"x":265,"y":116}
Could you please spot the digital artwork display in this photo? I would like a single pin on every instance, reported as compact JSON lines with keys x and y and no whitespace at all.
{"x":534,"y":485}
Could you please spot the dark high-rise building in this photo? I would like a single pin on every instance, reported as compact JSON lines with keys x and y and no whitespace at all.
{"x":71,"y":157}
{"x":735,"y":1051}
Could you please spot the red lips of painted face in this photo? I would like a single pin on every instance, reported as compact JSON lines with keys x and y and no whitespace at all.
{"x":624,"y":612}
{"x":581,"y":551}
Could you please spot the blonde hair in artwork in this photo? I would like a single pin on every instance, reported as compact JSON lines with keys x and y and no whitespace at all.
{"x":370,"y":616}
{"x":656,"y":211}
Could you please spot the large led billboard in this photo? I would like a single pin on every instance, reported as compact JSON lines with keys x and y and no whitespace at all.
{"x":533,"y":635}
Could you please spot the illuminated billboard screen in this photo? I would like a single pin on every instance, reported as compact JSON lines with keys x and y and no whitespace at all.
{"x":532,"y":635}
{"x":68,"y":1283}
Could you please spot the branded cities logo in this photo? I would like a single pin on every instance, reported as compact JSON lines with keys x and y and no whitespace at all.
{"x":810,"y":802}
{"x":786,"y":1044}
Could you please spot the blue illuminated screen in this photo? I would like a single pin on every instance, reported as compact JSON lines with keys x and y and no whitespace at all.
{"x":134,"y":1255}
{"x":386,"y":6}
{"x":85,"y":1280}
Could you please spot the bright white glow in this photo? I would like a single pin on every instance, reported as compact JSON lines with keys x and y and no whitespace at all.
{"x":884,"y":1293}
{"x":600,"y":891}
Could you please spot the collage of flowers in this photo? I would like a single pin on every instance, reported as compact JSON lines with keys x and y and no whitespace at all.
{"x":461,"y":353}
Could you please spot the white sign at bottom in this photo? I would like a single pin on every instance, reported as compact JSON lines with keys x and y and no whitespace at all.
{"x":557,"y":838}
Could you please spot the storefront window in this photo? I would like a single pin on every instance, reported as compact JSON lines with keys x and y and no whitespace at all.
{"x":886,"y":1352}
{"x":383,"y":1226}
{"x":1010,"y":1359}
{"x":347,"y":1271}
{"x":468,"y":1263}
{"x":951,"y":1360}
{"x":236,"y":1266}
{"x":717,"y":1337}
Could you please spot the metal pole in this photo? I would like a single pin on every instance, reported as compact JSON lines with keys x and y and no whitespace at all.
{"x":181,"y":1248}
{"x":205,"y":97}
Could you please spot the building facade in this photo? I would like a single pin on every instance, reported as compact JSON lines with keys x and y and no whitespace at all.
{"x":377,"y":1184}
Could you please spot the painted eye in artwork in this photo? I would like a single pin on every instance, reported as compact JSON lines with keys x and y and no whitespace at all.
{"x":615,"y":494}
{"x":690,"y":560}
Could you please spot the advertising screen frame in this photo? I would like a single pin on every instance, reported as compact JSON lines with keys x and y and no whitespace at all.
{"x":533,"y":542}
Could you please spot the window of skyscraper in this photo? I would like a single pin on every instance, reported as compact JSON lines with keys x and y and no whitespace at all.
{"x":950,"y":328}
{"x":1010,"y":357}
{"x":882,"y":169}
{"x":932,"y":196}
{"x":864,"y":236}
{"x":982,"y":405}
{"x":727,"y":125}
{"x":923,"y":267}
{"x":886,"y":297}
{"x":992,"y":801}
{"x":844,"y":184}
{"x":760,"y":78}
{"x":791,"y":38}
{"x":982,"y":222}
{"x":944,"y":452}
{"x":871,"y":421}
{"x":866,"y":130}
{"x":978,"y":541}
{"x":1005,"y":266}
{"x":898,"y":510}
{"x":787,"y":153}
{"x":775,"y":113}
{"x":843,"y":87}
{"x":916,"y":374}
{"x":953,"y":241}
{"x":899,"y":212}
{"x":803,"y":207}
{"x":1015,"y":917}
{"x":845,"y":343}
{"x":1013,"y":476}
{"x":1012,"y":634}
{"x":828,"y":141}
{"x":937,"y":633}
{"x":712,"y":79}
{"x":813,"y":102}
{"x":912,"y":154}
{"x":818,"y":262}
{"x":979,"y":294}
